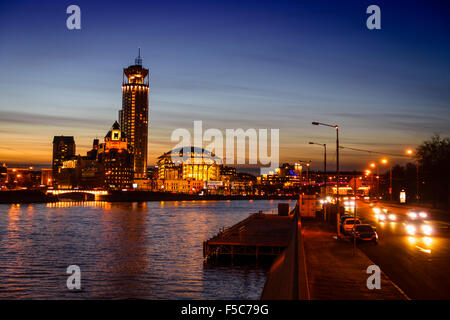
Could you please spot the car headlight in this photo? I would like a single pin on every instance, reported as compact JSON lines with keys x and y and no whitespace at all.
{"x":427,"y":229}
{"x":411,"y":229}
{"x":423,"y":215}
{"x":376,"y":210}
{"x":412,"y":215}
{"x":382,"y":217}
{"x":392,"y":217}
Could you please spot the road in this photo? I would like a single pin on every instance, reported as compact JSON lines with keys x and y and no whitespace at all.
{"x":419,"y":265}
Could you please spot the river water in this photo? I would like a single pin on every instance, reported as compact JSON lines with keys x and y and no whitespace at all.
{"x":137,"y":250}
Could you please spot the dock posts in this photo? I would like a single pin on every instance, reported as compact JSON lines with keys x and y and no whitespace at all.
{"x":261,"y":235}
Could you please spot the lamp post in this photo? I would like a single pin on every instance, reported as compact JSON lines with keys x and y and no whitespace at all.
{"x":410,"y":152}
{"x":373,"y":166}
{"x":385,"y":161}
{"x":324,"y":161}
{"x":336,"y":127}
{"x":308,"y":164}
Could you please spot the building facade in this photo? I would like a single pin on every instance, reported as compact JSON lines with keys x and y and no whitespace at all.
{"x":188,"y":170}
{"x":133,"y":117}
{"x":116,"y":159}
{"x":63,"y":149}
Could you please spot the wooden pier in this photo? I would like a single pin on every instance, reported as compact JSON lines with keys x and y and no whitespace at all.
{"x":258,"y":235}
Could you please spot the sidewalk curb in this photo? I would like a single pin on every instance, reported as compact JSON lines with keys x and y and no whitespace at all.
{"x":384,"y":274}
{"x":389,"y":279}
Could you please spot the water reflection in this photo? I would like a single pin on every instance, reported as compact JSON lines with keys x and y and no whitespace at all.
{"x":125,"y":250}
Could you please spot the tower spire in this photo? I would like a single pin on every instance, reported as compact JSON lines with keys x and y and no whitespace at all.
{"x":138,"y":60}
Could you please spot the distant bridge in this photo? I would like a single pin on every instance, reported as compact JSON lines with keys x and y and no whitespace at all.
{"x":96,"y":193}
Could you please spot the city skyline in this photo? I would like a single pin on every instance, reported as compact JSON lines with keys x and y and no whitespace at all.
{"x":283,"y":65}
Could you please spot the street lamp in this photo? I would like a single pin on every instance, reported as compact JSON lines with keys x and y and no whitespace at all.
{"x":385,"y":162}
{"x":410,"y":152}
{"x":308,"y":163}
{"x":324,"y":161}
{"x":336,"y":127}
{"x":373,"y":165}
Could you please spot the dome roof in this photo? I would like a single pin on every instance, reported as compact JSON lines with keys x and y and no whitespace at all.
{"x":195,"y":152}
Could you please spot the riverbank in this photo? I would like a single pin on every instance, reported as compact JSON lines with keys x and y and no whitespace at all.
{"x":26,"y":196}
{"x":118,"y":196}
{"x":37,"y":196}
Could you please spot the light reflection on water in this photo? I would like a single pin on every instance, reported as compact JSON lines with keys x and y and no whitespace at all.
{"x":150,"y":250}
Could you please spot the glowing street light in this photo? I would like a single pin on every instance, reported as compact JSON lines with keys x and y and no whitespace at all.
{"x":410,"y":152}
{"x":336,"y":127}
{"x":324,"y":160}
{"x":385,"y":162}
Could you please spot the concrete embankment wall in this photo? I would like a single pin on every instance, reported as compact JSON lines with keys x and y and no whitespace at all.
{"x":287,"y":278}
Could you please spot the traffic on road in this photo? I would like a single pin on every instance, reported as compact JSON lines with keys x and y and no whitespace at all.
{"x":413,"y":246}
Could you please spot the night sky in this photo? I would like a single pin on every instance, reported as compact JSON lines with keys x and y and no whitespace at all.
{"x":231,"y":64}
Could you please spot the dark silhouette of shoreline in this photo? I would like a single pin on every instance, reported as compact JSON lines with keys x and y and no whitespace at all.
{"x":37,"y":196}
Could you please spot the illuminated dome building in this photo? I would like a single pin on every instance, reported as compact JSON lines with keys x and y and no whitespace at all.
{"x":199,"y":164}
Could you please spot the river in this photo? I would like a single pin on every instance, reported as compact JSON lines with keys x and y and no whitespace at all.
{"x":133,"y":250}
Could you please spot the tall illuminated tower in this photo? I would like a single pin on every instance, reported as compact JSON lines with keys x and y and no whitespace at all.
{"x":134,"y":114}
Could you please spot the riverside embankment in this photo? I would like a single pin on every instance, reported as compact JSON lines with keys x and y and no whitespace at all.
{"x":37,"y":196}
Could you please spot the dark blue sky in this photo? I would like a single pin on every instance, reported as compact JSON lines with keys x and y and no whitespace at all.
{"x":249,"y":64}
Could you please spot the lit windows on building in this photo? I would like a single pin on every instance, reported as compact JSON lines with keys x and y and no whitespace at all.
{"x":197,"y":167}
{"x":134,"y":114}
{"x":117,"y":160}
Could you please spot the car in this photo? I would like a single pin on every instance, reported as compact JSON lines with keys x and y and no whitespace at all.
{"x":349,"y":203}
{"x":417,"y":215}
{"x":380,"y":214}
{"x":417,"y":227}
{"x":342,"y":218}
{"x":349,"y":224}
{"x":364,"y":232}
{"x":389,"y":215}
{"x":383,"y":214}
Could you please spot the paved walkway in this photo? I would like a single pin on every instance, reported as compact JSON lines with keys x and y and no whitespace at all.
{"x":334,"y":273}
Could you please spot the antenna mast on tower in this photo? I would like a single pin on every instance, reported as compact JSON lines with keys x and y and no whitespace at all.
{"x":138,"y":60}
